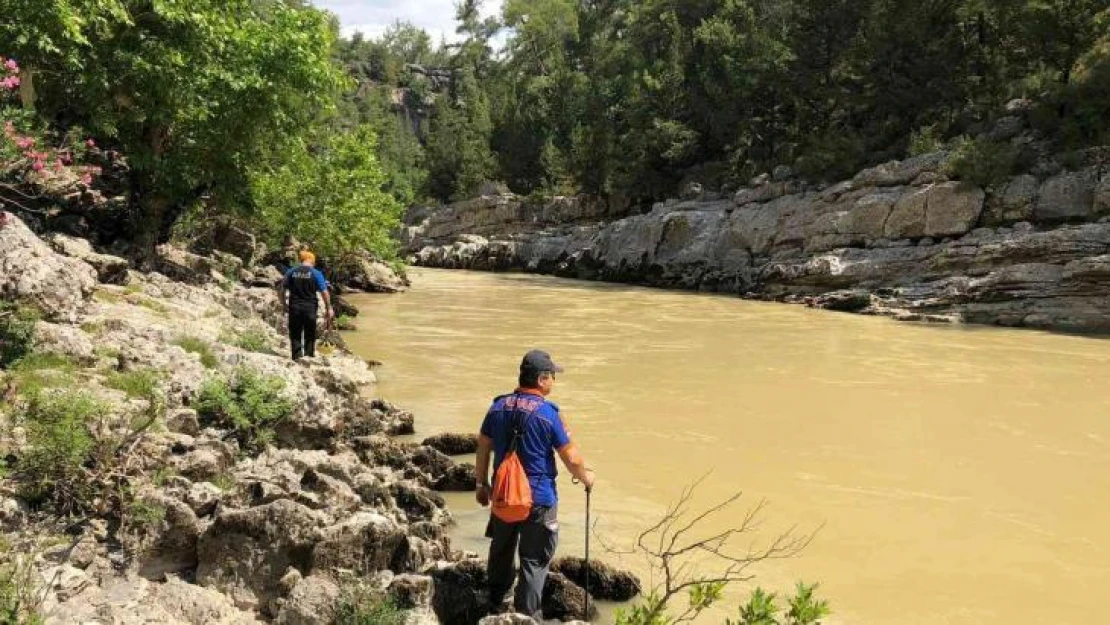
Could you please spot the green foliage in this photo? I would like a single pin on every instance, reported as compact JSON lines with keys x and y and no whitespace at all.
{"x":39,"y":371}
{"x":201,"y":348}
{"x":804,"y":608}
{"x":248,"y":404}
{"x":925,"y":140}
{"x":250,"y":339}
{"x":982,"y":161}
{"x":345,"y":323}
{"x":139,"y":384}
{"x":17,"y":332}
{"x":330,"y":196}
{"x":650,"y":610}
{"x":59,"y":444}
{"x":458,"y":152}
{"x":364,"y":606}
{"x":759,"y":610}
{"x":142,"y":512}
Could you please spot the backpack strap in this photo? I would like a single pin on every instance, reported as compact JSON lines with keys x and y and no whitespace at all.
{"x":519,"y":419}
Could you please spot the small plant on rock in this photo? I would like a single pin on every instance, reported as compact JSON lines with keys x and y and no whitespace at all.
{"x":17,"y":331}
{"x":248,"y":404}
{"x":251,"y":340}
{"x":345,"y":323}
{"x":21,"y":591}
{"x":140,"y":384}
{"x":59,"y":444}
{"x":201,"y":348}
{"x":364,"y":606}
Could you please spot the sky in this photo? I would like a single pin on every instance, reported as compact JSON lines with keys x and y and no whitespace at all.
{"x":372,"y":17}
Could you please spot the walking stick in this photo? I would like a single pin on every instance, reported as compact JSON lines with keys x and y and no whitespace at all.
{"x":586,"y":616}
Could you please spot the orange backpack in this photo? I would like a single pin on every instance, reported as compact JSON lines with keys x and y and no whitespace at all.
{"x":512,"y":494}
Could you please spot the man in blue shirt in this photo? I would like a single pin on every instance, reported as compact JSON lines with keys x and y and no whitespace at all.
{"x":298,"y":297}
{"x":543,"y":434}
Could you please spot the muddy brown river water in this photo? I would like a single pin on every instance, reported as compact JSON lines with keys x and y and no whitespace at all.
{"x":960,"y":475}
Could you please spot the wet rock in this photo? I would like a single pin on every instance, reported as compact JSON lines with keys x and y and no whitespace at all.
{"x":459,"y":479}
{"x":32,"y":273}
{"x":453,"y":444}
{"x":364,"y":543}
{"x":109,"y":269}
{"x":564,"y":600}
{"x":431,"y":461}
{"x":851,"y":301}
{"x":245,"y":553}
{"x":460,"y":596}
{"x":606,"y":582}
{"x":313,"y":601}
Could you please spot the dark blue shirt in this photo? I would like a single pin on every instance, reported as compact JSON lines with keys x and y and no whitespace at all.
{"x":543,"y":434}
{"x":303,"y":283}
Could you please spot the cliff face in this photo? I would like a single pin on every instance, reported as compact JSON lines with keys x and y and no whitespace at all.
{"x":898,"y":239}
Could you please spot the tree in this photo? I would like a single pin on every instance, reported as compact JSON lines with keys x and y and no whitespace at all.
{"x":192,"y":93}
{"x":458,"y":149}
{"x":329,"y":194}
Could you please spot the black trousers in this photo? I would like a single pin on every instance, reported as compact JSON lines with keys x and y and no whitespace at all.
{"x":302,"y":330}
{"x":535,"y":539}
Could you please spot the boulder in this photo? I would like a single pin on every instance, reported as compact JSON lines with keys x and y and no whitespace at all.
{"x":459,"y":479}
{"x":606,"y":582}
{"x":364,"y":272}
{"x":431,"y":461}
{"x":460,"y":596}
{"x":418,"y":503}
{"x":33,"y":274}
{"x":245,"y":553}
{"x":896,"y":173}
{"x":1102,"y":195}
{"x":65,"y":340}
{"x":1066,"y":196}
{"x":364,"y":543}
{"x":183,"y":421}
{"x":907,"y":218}
{"x":184,"y":266}
{"x":109,"y":269}
{"x":313,"y":601}
{"x":410,"y":591}
{"x":453,"y":444}
{"x":1014,"y":203}
{"x":191,"y":604}
{"x":565,"y":601}
{"x":953,"y":209}
{"x":508,"y":619}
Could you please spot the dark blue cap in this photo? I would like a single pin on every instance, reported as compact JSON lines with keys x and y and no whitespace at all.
{"x":537,"y":361}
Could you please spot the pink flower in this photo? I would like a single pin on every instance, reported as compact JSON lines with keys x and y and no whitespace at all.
{"x":90,"y":143}
{"x":38,"y":165}
{"x":86,"y":180}
{"x":12,"y":66}
{"x":10,"y":83}
{"x":25,"y":142}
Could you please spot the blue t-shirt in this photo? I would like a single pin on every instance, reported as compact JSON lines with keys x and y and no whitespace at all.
{"x":543,"y":433}
{"x":303,"y":283}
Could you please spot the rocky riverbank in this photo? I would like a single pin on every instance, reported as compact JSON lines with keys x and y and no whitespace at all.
{"x":163,"y":461}
{"x":900,"y":239}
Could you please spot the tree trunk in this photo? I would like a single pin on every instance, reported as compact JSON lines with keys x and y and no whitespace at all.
{"x":27,"y":87}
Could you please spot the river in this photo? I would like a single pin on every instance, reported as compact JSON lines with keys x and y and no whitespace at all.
{"x":957,"y":474}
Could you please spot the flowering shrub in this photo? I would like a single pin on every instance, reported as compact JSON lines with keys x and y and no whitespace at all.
{"x":26,"y":150}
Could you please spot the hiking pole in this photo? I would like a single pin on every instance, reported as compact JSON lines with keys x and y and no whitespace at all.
{"x":587,"y":615}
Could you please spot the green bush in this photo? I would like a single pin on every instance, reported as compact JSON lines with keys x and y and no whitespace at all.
{"x":925,"y":140}
{"x":247,"y":403}
{"x":38,"y":371}
{"x":199,"y":347}
{"x":983,"y":162}
{"x":59,"y":445}
{"x":17,"y":331}
{"x":803,"y":608}
{"x":141,"y":384}
{"x":363,"y":606}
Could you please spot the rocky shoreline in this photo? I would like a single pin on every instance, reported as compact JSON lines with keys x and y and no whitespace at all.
{"x":900,"y":239}
{"x":202,"y":519}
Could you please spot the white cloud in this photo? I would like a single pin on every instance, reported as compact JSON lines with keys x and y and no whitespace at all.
{"x":372,"y":17}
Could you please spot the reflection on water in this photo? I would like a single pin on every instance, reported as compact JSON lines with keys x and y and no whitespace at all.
{"x":962,"y":474}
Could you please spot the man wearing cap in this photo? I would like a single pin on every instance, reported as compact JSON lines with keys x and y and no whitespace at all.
{"x":543,"y":435}
{"x":298,"y":297}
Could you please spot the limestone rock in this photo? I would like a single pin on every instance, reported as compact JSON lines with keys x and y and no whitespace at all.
{"x":458,"y":478}
{"x":109,"y":269}
{"x":564,"y":600}
{"x":313,"y":601}
{"x":460,"y":596}
{"x":953,"y":209}
{"x":65,"y":340}
{"x":366,"y":542}
{"x":363,"y":272}
{"x":410,"y":591}
{"x":606,"y":582}
{"x":245,"y":553}
{"x":507,"y":619}
{"x":184,"y":266}
{"x":32,"y":273}
{"x":453,"y":444}
{"x":170,"y":544}
{"x":1067,"y":196}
